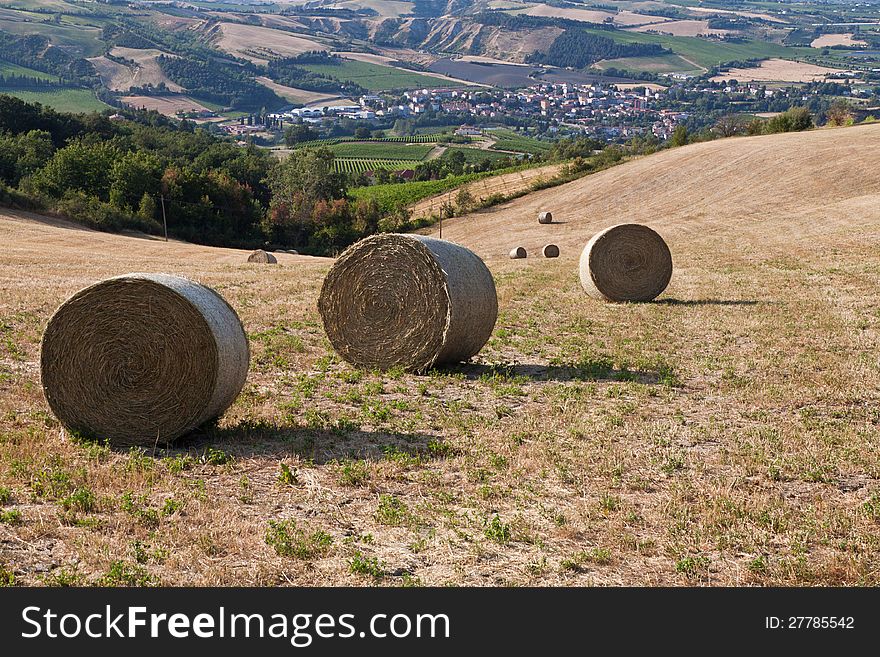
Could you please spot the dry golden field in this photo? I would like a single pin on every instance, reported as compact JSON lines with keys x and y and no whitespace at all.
{"x":778,"y":70}
{"x":725,"y":434}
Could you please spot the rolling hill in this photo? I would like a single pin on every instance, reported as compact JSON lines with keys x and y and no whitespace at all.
{"x":725,"y":434}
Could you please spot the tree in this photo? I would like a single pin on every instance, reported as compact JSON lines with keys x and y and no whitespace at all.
{"x":793,"y":120}
{"x":729,"y":125}
{"x":464,"y":201}
{"x":80,"y":166}
{"x":298,"y":183}
{"x":679,"y":137}
{"x":298,"y":133}
{"x":840,"y":113}
{"x":362,"y":132}
{"x":133,"y":176}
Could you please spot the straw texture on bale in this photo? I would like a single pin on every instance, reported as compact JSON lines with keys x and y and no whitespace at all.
{"x":550,"y":251}
{"x":627,"y":262}
{"x":407,"y":301}
{"x":142,"y":359}
{"x":545,"y":218}
{"x":518,"y":253}
{"x":262,"y":256}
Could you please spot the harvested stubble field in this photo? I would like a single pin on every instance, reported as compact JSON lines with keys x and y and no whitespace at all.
{"x":725,"y":434}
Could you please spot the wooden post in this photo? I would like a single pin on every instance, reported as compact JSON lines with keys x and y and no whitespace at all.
{"x":164,"y":220}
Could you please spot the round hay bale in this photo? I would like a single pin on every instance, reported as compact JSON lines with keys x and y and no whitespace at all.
{"x":627,"y":262}
{"x":262,"y":256}
{"x":293,"y":251}
{"x":545,"y":218}
{"x":142,"y":359}
{"x":550,"y":251}
{"x":407,"y":301}
{"x":518,"y":253}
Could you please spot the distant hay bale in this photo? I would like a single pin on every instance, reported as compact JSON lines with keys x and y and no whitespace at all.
{"x":293,"y":251}
{"x":627,"y":262}
{"x":142,"y":359}
{"x":545,"y":218}
{"x":518,"y":253}
{"x":550,"y":251}
{"x":407,"y":301}
{"x":263,"y":257}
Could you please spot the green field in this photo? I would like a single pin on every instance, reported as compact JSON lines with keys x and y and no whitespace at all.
{"x":660,"y":64}
{"x":376,"y":77}
{"x":356,"y":165}
{"x":86,"y":41}
{"x":8,"y":68}
{"x":414,"y":139}
{"x":400,"y":195}
{"x":508,"y":140}
{"x":63,"y":100}
{"x":382,"y":150}
{"x":475,"y":155}
{"x":706,"y":53}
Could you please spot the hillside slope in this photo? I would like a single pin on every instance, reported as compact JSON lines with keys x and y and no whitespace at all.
{"x":755,"y":192}
{"x":725,"y":434}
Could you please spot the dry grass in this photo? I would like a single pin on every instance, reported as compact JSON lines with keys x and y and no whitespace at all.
{"x":837,"y":40}
{"x":625,"y":18}
{"x":302,"y":96}
{"x":167,"y":105}
{"x":726,"y":434}
{"x":119,"y":77}
{"x":260,"y":44}
{"x":778,"y":70}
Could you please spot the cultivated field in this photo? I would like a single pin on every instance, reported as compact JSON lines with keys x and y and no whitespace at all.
{"x":260,"y":44}
{"x":302,"y":96}
{"x":167,"y":105}
{"x":681,"y":28}
{"x":836,"y":40}
{"x":62,"y":100}
{"x":725,"y":434}
{"x":624,"y":18}
{"x":504,"y":184}
{"x":778,"y":70}
{"x":146,"y":70}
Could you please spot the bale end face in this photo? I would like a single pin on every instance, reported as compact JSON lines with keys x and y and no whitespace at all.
{"x":262,"y":257}
{"x":550,"y":251}
{"x":545,"y":218}
{"x":142,"y":359}
{"x":407,"y":301}
{"x":627,"y":262}
{"x":518,"y":253}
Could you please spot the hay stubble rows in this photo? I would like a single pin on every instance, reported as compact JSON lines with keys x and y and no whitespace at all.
{"x":724,"y":434}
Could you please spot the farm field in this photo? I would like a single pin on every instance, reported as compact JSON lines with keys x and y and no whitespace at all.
{"x":260,"y":44}
{"x":167,"y":105}
{"x":689,"y":28}
{"x":779,"y":70}
{"x":299,"y":96}
{"x":145,"y":71}
{"x":359,"y":164}
{"x":659,"y":64}
{"x":707,"y":54}
{"x":475,"y":155}
{"x":836,"y":40}
{"x":377,"y":77}
{"x":8,"y":68}
{"x":382,"y":150}
{"x":508,"y":140}
{"x":62,"y":100}
{"x":725,"y":434}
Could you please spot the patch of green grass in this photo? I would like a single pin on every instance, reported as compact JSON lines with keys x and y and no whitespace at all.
{"x":497,"y":530}
{"x":5,"y":495}
{"x":13,"y":517}
{"x":63,"y":100}
{"x":123,"y":574}
{"x":288,"y":476}
{"x":216,"y":456}
{"x":81,"y":499}
{"x":354,"y":473}
{"x":392,"y":511}
{"x":670,"y":63}
{"x":691,"y":566}
{"x":7,"y":577}
{"x":290,"y":541}
{"x":362,"y":565}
